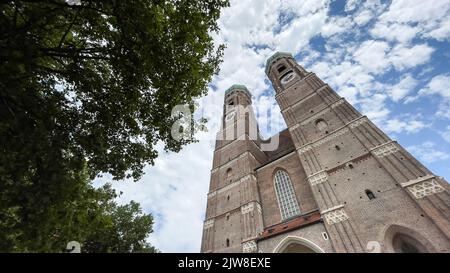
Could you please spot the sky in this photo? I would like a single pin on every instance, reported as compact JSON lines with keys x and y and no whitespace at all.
{"x":390,"y":59}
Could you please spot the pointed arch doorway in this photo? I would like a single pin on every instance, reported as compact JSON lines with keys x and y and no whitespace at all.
{"x":295,"y":244}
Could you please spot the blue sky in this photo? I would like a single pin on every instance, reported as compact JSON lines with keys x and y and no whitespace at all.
{"x":390,"y":59}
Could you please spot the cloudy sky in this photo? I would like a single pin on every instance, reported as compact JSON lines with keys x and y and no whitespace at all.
{"x":389,"y":59}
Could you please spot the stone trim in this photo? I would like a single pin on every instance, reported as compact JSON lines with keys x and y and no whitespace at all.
{"x":331,"y":209}
{"x":417,"y":180}
{"x":358,"y":122}
{"x":335,"y":215}
{"x":249,"y":247}
{"x":208,"y":223}
{"x":250,"y":206}
{"x":428,"y":187}
{"x":259,"y":208}
{"x":337,"y":103}
{"x":385,"y":149}
{"x":247,"y":208}
{"x":294,"y":127}
{"x":318,"y":178}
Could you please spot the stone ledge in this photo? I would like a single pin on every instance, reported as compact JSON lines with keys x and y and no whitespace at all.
{"x":295,"y":223}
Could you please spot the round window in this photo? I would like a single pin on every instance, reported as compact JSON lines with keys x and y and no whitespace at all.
{"x":287,"y":77}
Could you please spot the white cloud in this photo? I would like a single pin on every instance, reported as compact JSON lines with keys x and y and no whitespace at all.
{"x":372,"y":55}
{"x":298,"y":33}
{"x":336,"y":25}
{"x":405,"y":11}
{"x":363,"y":17}
{"x":402,"y":88}
{"x":374,"y":107}
{"x":444,"y":109}
{"x":402,"y":33}
{"x":399,"y":126}
{"x":377,"y":56}
{"x":446,"y":134}
{"x":403,"y":57}
{"x":427,"y":152}
{"x":438,"y":85}
{"x":367,"y":11}
{"x":349,"y":93}
{"x":350,"y":5}
{"x":431,"y":18}
{"x":442,"y":32}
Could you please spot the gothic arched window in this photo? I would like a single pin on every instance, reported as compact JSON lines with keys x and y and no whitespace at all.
{"x":286,"y":195}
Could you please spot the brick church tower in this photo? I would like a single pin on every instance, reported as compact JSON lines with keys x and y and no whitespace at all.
{"x":334,"y":183}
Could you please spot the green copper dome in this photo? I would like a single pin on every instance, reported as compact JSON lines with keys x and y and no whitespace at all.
{"x":274,"y":57}
{"x":238,"y":87}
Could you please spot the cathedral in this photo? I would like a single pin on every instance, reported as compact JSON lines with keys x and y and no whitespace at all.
{"x":331,"y":182}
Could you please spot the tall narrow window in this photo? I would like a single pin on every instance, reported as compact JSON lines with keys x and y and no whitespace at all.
{"x":228,"y":242}
{"x":286,"y":196}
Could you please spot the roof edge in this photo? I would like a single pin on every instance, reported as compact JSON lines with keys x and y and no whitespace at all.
{"x":276,"y":56}
{"x":238,"y":87}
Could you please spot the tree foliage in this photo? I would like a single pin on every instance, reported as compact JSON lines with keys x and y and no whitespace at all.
{"x":88,"y":88}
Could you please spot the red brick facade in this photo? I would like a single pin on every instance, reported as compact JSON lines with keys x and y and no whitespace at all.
{"x":352,"y":189}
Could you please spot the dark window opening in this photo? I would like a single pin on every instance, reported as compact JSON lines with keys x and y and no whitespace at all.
{"x":370,"y":194}
{"x":281,"y":68}
{"x":405,"y":244}
{"x":229,"y":172}
{"x":228,"y":242}
{"x":228,"y":198}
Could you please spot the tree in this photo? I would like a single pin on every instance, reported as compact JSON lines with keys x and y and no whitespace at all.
{"x":125,"y":229}
{"x":90,"y":216}
{"x":87,"y":88}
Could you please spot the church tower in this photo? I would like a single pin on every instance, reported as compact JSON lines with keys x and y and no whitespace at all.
{"x":233,"y":213}
{"x":336,"y":183}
